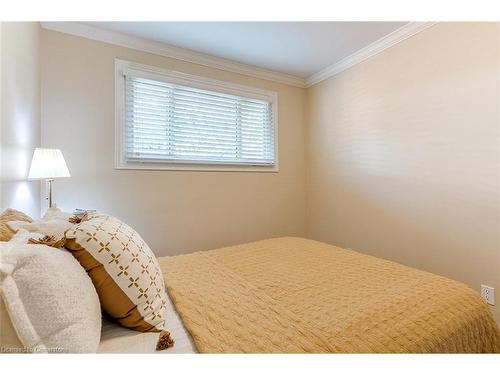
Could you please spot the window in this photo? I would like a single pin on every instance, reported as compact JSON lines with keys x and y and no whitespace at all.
{"x":170,"y":120}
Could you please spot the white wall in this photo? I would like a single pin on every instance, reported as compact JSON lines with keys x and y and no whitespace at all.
{"x":1,"y":113}
{"x":175,"y":211}
{"x":404,"y":154}
{"x":20,"y":117}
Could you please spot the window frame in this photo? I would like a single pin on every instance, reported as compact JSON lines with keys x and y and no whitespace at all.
{"x":122,"y":67}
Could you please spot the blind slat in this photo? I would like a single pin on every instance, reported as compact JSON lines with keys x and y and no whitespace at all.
{"x":185,"y":120}
{"x":219,"y":137}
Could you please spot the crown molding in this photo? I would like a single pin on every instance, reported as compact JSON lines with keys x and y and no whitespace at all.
{"x":163,"y":49}
{"x":371,"y":50}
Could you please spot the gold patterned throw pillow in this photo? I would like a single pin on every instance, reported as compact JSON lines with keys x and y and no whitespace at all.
{"x":124,"y":271}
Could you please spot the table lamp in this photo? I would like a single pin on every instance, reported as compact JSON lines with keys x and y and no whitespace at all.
{"x":48,"y":164}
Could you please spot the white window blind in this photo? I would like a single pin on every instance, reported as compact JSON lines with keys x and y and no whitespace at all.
{"x":172,"y":123}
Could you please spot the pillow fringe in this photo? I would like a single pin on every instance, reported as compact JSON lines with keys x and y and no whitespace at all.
{"x":48,"y":240}
{"x":165,"y":341}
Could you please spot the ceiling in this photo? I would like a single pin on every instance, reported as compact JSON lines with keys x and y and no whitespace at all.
{"x":300,"y":49}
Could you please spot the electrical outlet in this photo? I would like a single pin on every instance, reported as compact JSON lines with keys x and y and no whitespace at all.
{"x":488,"y":294}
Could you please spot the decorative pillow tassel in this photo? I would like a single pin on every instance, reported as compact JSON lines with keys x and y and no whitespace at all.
{"x":165,"y":341}
{"x":77,"y":219}
{"x":48,"y":240}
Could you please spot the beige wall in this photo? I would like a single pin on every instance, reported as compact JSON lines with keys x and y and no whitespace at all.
{"x":20,"y":115}
{"x":175,"y":211}
{"x":403,"y":154}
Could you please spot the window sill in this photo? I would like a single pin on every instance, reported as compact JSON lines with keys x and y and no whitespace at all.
{"x":197,"y":167}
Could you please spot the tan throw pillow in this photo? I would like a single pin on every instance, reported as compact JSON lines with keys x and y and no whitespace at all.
{"x":10,"y":215}
{"x":124,"y":271}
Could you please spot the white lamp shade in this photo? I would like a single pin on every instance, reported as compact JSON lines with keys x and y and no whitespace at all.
{"x":48,"y":163}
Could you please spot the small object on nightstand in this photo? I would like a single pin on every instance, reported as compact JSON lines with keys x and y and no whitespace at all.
{"x":82,"y":211}
{"x":79,"y":214}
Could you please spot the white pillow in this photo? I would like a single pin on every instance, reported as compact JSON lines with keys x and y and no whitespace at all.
{"x":52,"y":303}
{"x":53,"y":223}
{"x":22,"y":237}
{"x":56,"y":213}
{"x":51,"y":227}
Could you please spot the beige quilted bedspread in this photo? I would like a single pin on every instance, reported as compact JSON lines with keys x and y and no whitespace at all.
{"x":292,"y":295}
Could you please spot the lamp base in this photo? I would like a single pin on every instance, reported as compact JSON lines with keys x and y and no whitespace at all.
{"x":49,"y":188}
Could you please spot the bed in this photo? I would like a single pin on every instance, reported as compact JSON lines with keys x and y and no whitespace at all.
{"x":292,"y":295}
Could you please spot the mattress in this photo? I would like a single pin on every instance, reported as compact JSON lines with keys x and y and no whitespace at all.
{"x":117,"y":339}
{"x":292,"y":295}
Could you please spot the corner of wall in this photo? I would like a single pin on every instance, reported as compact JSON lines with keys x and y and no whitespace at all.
{"x":1,"y":113}
{"x":20,"y":115}
{"x":307,"y":124}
